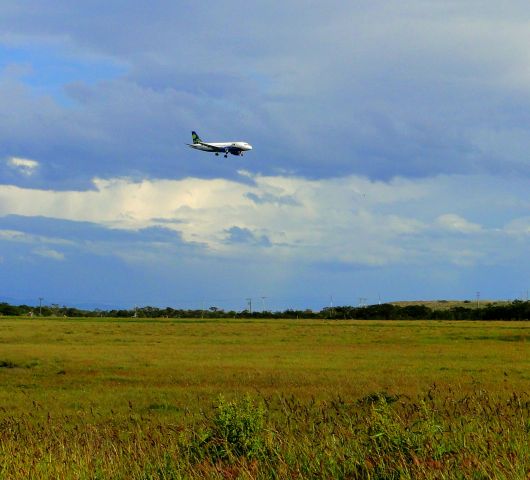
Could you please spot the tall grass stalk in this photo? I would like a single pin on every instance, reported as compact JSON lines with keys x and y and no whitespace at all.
{"x":436,"y":435}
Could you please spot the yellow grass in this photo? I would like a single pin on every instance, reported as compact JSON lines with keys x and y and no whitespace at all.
{"x":132,"y":399}
{"x":69,"y":365}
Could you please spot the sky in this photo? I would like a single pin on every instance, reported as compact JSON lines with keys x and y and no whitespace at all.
{"x":390,"y":152}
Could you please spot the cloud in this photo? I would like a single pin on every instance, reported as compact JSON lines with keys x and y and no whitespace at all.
{"x":204,"y":211}
{"x":384,"y":138}
{"x":19,"y":236}
{"x":270,"y":198}
{"x":519,"y":226}
{"x":49,"y":253}
{"x":23,"y":165}
{"x":349,"y":220}
{"x":366,"y":89}
{"x":458,"y":224}
{"x":11,"y":235}
{"x":237,"y":235}
{"x":350,"y":233}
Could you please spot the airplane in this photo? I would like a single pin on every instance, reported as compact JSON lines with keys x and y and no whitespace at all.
{"x":235,"y":148}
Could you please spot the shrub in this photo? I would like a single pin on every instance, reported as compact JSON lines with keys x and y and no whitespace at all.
{"x":238,"y":428}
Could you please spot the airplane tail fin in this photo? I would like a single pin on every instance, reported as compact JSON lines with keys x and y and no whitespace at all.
{"x":195,"y":137}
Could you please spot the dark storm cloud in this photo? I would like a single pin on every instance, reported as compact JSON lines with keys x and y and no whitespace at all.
{"x":323,"y":90}
{"x":320,"y":90}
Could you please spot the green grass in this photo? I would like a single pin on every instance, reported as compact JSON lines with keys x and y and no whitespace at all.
{"x":138,"y":398}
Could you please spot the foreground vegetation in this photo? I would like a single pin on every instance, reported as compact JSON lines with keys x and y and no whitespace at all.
{"x":380,"y":436}
{"x":160,"y":399}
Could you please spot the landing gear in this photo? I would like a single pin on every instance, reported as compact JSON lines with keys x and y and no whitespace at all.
{"x":226,"y":155}
{"x":216,"y":154}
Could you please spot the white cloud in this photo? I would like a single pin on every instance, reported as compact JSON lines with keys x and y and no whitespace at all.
{"x":330,"y":219}
{"x":25,"y":166}
{"x":12,"y":235}
{"x":349,"y":219}
{"x":519,"y":226}
{"x":456,"y":223}
{"x":49,"y":253}
{"x":23,"y":237}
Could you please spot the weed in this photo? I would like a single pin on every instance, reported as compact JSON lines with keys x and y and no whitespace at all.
{"x":378,"y":397}
{"x":237,"y":429}
{"x":8,"y":364}
{"x":164,"y":407}
{"x":471,"y":436}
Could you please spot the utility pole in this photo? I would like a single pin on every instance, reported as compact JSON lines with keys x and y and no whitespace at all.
{"x":263,"y":303}
{"x":40,"y":306}
{"x":249,"y":301}
{"x":478,"y":299}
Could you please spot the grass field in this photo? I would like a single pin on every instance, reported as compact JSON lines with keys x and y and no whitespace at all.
{"x":134,"y":398}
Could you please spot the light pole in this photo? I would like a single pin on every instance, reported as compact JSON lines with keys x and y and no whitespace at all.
{"x":40,"y":306}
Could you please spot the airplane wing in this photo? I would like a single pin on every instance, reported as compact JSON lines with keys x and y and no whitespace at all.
{"x":214,"y":148}
{"x":207,"y":147}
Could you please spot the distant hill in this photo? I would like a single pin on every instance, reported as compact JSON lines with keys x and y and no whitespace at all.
{"x":447,"y":304}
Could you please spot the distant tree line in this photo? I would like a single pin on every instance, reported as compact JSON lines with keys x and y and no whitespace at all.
{"x":516,"y":310}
